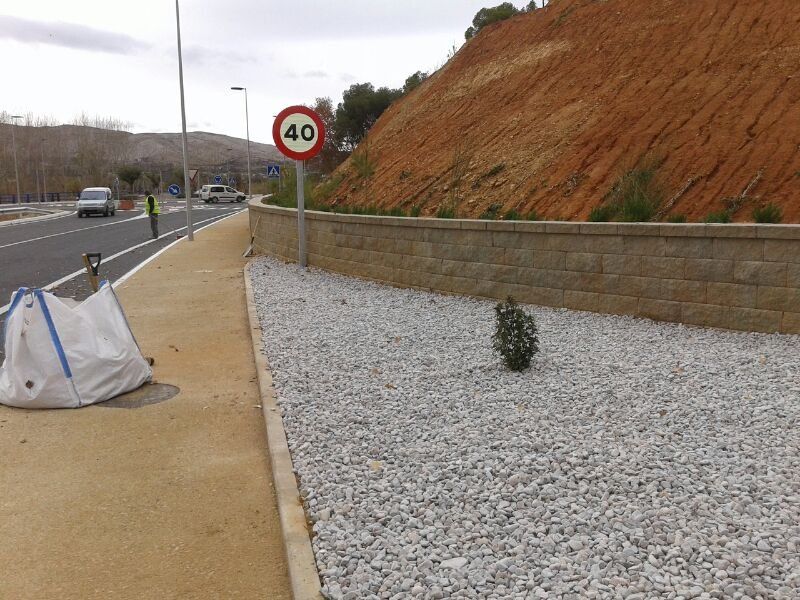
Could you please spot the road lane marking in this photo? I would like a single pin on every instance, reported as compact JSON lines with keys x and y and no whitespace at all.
{"x":52,"y":235}
{"x":66,"y":278}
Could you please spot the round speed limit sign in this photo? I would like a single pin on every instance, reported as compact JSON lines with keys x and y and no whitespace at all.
{"x":298,"y":133}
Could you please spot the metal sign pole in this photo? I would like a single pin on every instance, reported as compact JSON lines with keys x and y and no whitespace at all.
{"x":301,"y":217}
{"x":186,"y":183}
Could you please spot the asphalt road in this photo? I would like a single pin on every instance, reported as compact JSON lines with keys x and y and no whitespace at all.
{"x":43,"y":254}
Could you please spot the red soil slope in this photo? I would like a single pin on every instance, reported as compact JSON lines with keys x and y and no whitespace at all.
{"x":545,"y":111}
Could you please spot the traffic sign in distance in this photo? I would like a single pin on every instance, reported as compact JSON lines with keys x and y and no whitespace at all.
{"x":298,"y":133}
{"x":274,"y":172}
{"x":174,"y":190}
{"x":231,"y":182}
{"x":217,"y":178}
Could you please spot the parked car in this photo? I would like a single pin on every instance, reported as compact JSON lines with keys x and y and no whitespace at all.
{"x":96,"y":200}
{"x":215,"y":193}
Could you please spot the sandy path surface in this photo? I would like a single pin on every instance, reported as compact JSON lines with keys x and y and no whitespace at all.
{"x":170,"y":500}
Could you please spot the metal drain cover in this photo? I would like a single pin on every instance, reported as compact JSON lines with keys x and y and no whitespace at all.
{"x":149,"y":393}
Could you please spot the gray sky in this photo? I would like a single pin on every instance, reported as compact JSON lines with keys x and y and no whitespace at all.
{"x":118,"y":57}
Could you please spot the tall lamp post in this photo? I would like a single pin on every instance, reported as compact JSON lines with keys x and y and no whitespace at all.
{"x":187,"y":183}
{"x":247,"y":124}
{"x":14,"y":146}
{"x":44,"y":174}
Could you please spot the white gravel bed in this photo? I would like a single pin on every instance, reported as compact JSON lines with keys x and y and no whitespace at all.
{"x":633,"y":460}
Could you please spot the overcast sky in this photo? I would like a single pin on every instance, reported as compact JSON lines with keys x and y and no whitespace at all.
{"x":118,"y":58}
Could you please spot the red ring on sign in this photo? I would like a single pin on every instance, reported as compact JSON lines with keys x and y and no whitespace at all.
{"x":283,"y":148}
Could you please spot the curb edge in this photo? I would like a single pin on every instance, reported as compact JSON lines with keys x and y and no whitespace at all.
{"x":303,"y":575}
{"x":55,"y":214}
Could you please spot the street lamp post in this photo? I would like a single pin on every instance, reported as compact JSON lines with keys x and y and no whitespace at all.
{"x":247,"y":124}
{"x":187,"y":184}
{"x":44,"y":174}
{"x":14,"y":146}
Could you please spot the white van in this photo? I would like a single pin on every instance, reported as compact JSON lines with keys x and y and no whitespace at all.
{"x":215,"y":193}
{"x":96,"y":200}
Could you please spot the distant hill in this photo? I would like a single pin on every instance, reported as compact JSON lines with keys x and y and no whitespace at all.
{"x":205,"y":149}
{"x":76,"y":156}
{"x":545,"y":112}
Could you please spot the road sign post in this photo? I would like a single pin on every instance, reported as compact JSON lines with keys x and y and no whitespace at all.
{"x":299,"y":134}
{"x":301,"y":213}
{"x":174,"y":190}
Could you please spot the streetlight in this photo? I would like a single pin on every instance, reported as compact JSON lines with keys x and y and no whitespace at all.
{"x":44,"y":175}
{"x":187,"y":184}
{"x":247,"y":123}
{"x":14,"y":146}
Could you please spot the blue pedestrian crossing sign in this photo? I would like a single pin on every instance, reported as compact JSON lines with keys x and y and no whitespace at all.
{"x":217,"y":178}
{"x":232,"y":182}
{"x":273,"y":171}
{"x":174,"y":190}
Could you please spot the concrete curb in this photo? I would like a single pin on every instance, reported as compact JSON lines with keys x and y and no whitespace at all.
{"x":303,"y":575}
{"x":51,"y":214}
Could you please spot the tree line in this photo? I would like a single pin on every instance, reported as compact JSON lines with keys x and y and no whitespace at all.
{"x":347,"y":124}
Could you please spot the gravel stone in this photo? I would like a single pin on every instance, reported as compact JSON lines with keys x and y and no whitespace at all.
{"x":634,"y":459}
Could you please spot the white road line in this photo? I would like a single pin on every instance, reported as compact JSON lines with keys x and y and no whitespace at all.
{"x":52,"y":235}
{"x":66,"y":278}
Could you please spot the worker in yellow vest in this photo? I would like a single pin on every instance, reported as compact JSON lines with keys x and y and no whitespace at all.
{"x":152,"y":210}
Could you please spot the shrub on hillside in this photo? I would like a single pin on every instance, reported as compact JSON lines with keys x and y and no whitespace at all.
{"x":676,"y":218}
{"x":602,"y":214}
{"x":722,"y":216}
{"x":492,"y":213}
{"x":769,"y":213}
{"x":638,"y":194}
{"x":446,"y":211}
{"x":515,"y":338}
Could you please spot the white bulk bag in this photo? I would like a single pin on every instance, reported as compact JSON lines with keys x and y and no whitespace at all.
{"x":62,"y":354}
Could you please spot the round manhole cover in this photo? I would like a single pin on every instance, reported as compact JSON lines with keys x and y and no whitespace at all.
{"x":149,"y":393}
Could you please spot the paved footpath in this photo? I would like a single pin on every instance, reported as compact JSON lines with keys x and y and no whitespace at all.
{"x":170,"y":500}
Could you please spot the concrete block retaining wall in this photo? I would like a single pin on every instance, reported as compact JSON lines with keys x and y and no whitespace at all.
{"x":744,"y":277}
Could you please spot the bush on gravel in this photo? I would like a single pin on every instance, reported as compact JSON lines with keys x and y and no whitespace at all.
{"x":515,"y":338}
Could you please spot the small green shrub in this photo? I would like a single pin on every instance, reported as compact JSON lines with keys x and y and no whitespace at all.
{"x":491,"y":213}
{"x":515,"y":338}
{"x":446,"y":212}
{"x":397,"y":211}
{"x":602,"y":214}
{"x":635,"y":196}
{"x":769,"y":213}
{"x":512,"y":215}
{"x":416,"y":210}
{"x":533,"y":216}
{"x":676,"y":219}
{"x":722,"y":216}
{"x":495,"y":170}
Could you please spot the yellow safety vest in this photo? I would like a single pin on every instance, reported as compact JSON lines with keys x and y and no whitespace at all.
{"x":156,"y":210}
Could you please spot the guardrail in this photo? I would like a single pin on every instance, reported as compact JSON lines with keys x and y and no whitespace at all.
{"x":33,"y":197}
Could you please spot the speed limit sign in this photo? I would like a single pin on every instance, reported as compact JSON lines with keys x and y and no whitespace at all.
{"x":298,"y":133}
